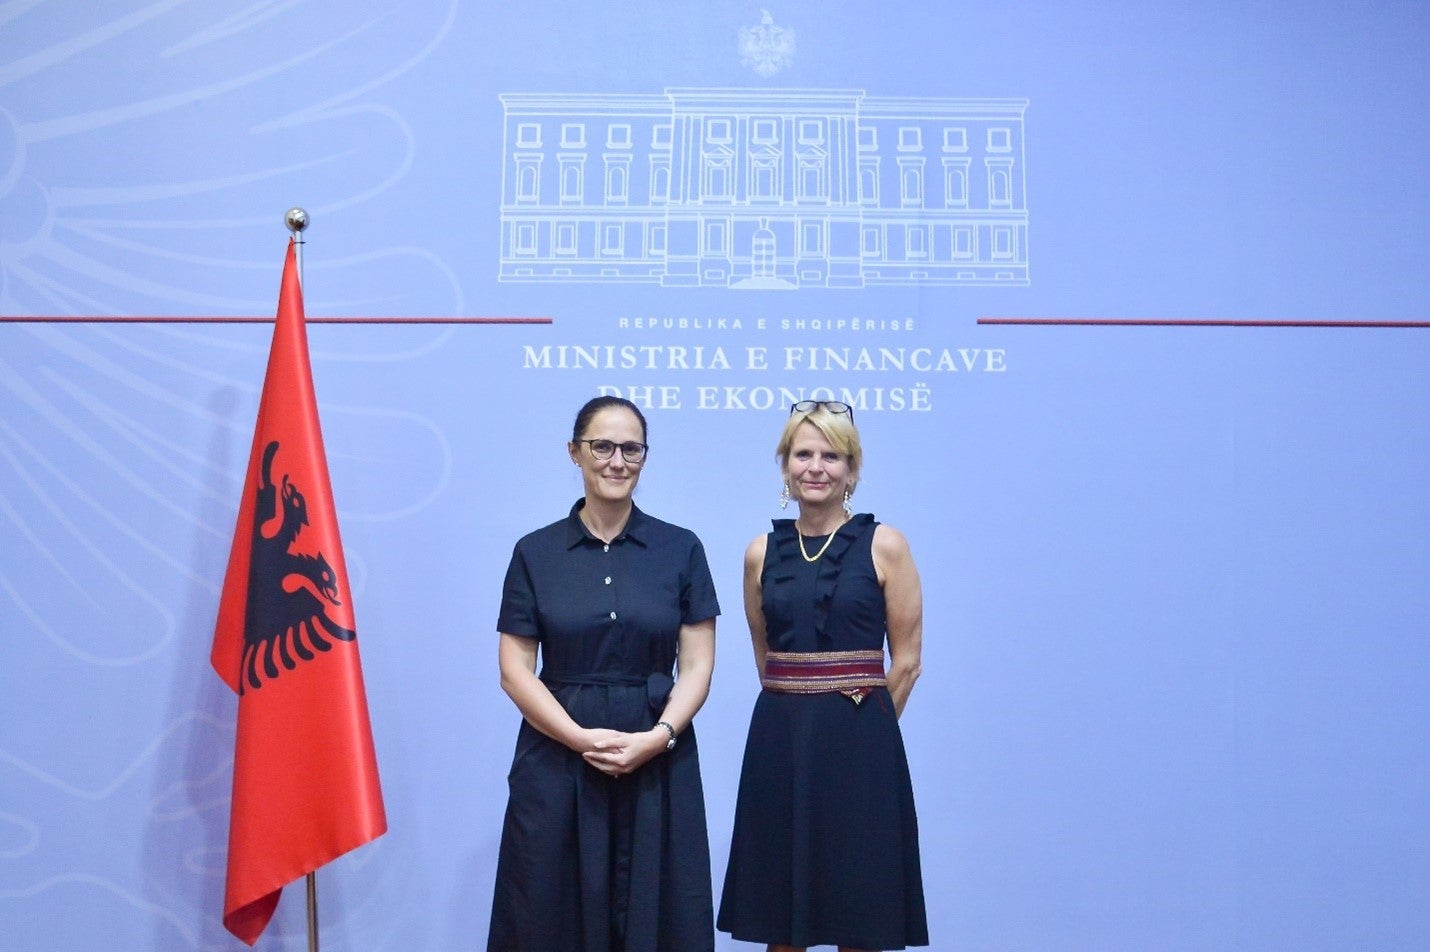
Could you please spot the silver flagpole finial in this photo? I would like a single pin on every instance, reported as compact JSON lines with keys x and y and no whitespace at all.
{"x":296,"y":219}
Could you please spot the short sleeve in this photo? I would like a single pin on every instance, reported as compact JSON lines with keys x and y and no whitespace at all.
{"x":697,"y":598}
{"x":518,"y":599}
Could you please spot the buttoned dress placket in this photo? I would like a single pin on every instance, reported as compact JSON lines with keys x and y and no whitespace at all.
{"x":623,"y":807}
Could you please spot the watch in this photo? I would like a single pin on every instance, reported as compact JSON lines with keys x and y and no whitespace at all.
{"x":670,"y":744}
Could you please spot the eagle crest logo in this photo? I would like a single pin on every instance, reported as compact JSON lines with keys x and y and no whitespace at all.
{"x":286,"y":619}
{"x":766,"y":48}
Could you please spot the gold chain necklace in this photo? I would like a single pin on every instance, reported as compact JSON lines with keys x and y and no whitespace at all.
{"x":815,"y":557}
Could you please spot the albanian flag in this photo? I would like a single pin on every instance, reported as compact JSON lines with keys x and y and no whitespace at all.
{"x":305,"y":785}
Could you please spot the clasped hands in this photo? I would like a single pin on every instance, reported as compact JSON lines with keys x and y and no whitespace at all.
{"x":617,"y":753}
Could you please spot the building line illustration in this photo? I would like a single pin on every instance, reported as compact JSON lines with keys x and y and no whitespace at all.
{"x":763,"y":189}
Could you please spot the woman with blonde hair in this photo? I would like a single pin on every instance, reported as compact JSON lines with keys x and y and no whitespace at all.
{"x":825,"y":847}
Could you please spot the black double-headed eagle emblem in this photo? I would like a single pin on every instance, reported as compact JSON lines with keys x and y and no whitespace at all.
{"x":286,"y":621}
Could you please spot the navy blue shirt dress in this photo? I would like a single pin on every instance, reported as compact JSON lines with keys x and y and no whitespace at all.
{"x":589,"y":862}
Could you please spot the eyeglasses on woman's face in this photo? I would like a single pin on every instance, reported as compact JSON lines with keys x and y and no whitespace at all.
{"x":833,"y":406}
{"x":631,"y":451}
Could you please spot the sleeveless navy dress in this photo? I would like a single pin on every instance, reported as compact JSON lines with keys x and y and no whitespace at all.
{"x":825,"y":847}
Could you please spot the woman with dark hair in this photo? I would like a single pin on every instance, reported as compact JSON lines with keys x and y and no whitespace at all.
{"x":604,"y":846}
{"x":825,"y":848}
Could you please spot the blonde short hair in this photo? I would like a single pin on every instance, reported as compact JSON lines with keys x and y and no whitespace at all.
{"x":838,"y":429}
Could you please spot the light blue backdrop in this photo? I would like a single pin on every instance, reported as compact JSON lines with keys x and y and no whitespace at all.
{"x":1176,"y":678}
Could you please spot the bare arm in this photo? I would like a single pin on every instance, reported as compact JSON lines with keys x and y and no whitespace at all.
{"x":619,"y":752}
{"x":694,"y":664}
{"x":904,"y":609}
{"x":754,"y":602}
{"x":517,"y":658}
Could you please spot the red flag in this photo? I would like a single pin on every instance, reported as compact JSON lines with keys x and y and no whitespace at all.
{"x":305,"y":785}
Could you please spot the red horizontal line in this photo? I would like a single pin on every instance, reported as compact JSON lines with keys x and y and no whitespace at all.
{"x":83,"y":319}
{"x":1186,"y":322}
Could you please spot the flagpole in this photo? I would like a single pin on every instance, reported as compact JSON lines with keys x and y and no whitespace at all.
{"x":313,"y":912}
{"x":297,"y":220}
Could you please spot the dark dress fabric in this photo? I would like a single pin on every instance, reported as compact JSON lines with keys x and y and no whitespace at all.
{"x":825,"y":847}
{"x":588,"y":862}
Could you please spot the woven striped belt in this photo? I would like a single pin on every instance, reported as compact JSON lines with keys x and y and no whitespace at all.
{"x":852,"y":673}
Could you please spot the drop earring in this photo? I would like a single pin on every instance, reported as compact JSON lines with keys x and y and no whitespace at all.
{"x":784,"y":496}
{"x":848,"y":509}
